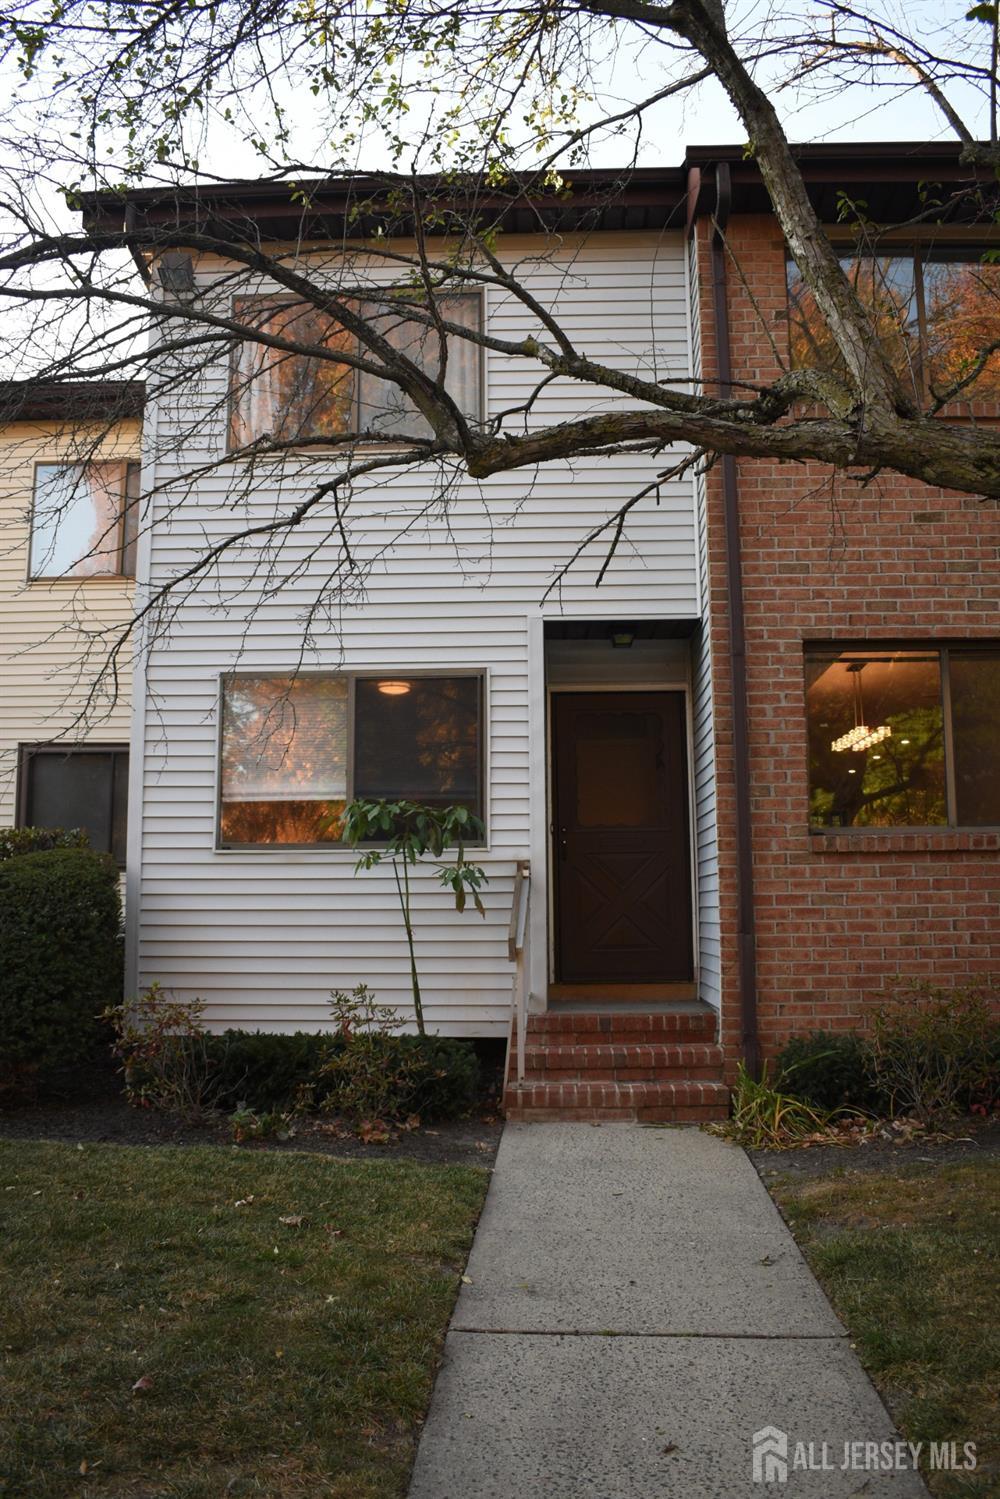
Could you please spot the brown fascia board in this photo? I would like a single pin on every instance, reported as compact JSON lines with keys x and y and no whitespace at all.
{"x":72,"y":400}
{"x":896,"y":181}
{"x":360,"y":206}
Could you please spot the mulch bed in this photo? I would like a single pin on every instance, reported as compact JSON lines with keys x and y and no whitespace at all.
{"x":961,"y":1140}
{"x":110,"y":1120}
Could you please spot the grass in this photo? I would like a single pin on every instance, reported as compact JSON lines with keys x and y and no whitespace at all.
{"x":283,"y":1359}
{"x":911,"y":1260}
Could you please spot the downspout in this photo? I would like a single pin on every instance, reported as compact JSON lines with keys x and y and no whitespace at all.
{"x":745,"y":914}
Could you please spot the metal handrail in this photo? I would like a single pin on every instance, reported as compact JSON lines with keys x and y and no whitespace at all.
{"x":517,"y":937}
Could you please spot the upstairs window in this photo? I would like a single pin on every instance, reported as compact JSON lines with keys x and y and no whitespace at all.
{"x":935,"y":311}
{"x":84,"y":520}
{"x":292,"y":396}
{"x":296,"y":750}
{"x":83,"y":786}
{"x":904,"y":738}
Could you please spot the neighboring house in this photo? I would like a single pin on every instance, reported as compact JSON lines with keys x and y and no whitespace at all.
{"x":876,"y":604}
{"x":68,"y":465}
{"x":698,"y":871}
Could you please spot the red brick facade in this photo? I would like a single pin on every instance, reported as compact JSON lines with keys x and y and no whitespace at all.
{"x":839,"y":916}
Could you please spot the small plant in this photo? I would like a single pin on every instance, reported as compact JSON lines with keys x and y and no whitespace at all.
{"x":374,"y":1076}
{"x":828,"y":1069}
{"x":371,"y":1076}
{"x":247,"y":1124}
{"x":762,"y":1115}
{"x":166,"y":1053}
{"x":934,"y":1051}
{"x":410,"y":830}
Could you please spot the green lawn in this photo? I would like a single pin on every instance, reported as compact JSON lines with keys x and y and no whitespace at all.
{"x":911,"y":1261}
{"x":283,"y":1359}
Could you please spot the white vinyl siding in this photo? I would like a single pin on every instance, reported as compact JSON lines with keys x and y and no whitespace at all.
{"x":706,"y":813}
{"x":263,"y":935}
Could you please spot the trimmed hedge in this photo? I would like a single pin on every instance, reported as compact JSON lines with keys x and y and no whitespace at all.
{"x":60,"y":915}
{"x":17,"y":841}
{"x":268,"y":1071}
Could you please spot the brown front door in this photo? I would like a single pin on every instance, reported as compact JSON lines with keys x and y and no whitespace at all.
{"x":622,"y":848}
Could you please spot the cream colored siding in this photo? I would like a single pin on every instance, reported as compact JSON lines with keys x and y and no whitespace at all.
{"x":263,"y":935}
{"x":53,"y":635}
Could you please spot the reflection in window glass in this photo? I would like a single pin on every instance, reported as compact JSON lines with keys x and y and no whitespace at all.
{"x":962,"y":310}
{"x":289,"y":396}
{"x":935,"y":313}
{"x":386,"y":408}
{"x":284,"y":759}
{"x":76,"y":520}
{"x":975,"y":714}
{"x":418,"y":739}
{"x":286,"y":395}
{"x":886,"y":287}
{"x":876,"y":739}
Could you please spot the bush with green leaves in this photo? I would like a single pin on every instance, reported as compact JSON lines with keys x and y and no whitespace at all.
{"x":15,"y":841}
{"x":376,"y":1074}
{"x":165,"y":1052}
{"x":60,"y":915}
{"x":830,"y":1070}
{"x":271,"y":1072}
{"x":936,"y":1052}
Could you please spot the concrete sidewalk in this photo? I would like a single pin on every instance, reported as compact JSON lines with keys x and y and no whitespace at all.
{"x":636,"y":1310}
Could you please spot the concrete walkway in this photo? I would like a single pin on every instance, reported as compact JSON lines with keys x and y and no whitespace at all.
{"x":635,"y":1311}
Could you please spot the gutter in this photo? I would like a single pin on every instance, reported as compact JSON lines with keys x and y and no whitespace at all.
{"x":746,"y":924}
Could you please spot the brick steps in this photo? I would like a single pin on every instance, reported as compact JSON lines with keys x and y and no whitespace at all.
{"x":650,"y":1102}
{"x":662,"y":1065}
{"x":622,"y":1061}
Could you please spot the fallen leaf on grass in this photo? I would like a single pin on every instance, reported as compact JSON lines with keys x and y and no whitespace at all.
{"x":467,"y":1280}
{"x":142,"y":1384}
{"x":292,"y":1220}
{"x":243,"y":1202}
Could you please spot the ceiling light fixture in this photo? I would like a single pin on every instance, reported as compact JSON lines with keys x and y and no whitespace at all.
{"x":622,"y":639}
{"x":394,"y":689}
{"x":861,"y":737}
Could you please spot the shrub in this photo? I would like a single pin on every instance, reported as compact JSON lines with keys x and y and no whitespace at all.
{"x":936,"y":1051}
{"x":375,"y":1074}
{"x":60,"y":914}
{"x":270,"y":1073}
{"x":16,"y":841}
{"x":830,"y":1070}
{"x":165,"y":1053}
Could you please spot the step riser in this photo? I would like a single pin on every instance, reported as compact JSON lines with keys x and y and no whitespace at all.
{"x":620,"y":1075}
{"x":678,"y":1114}
{"x":591,"y":1030}
{"x":619,"y":1055}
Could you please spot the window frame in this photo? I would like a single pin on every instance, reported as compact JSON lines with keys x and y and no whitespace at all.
{"x":919,"y":250}
{"x":370,"y":444}
{"x":384,"y":673}
{"x":943,"y":649}
{"x":27,"y":752}
{"x":131,"y":493}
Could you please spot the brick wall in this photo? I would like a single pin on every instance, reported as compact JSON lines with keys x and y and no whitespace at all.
{"x":838,"y":916}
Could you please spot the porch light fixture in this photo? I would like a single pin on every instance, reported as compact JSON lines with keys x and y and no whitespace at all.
{"x":622,"y":639}
{"x":861,"y":737}
{"x":394,"y":689}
